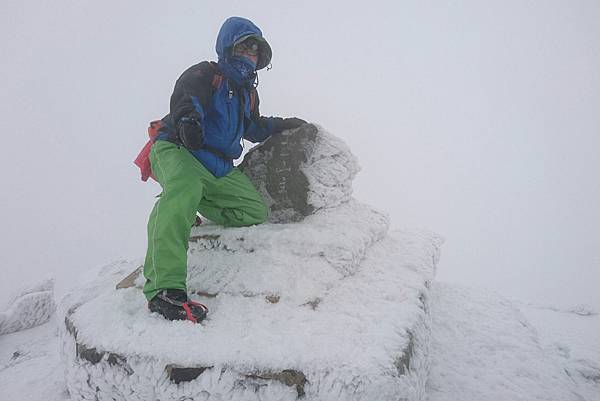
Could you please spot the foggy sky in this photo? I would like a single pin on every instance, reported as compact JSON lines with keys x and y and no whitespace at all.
{"x":477,"y":120}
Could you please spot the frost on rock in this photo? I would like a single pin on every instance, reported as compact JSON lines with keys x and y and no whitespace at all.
{"x":485,"y":347}
{"x":332,"y":307}
{"x":28,"y":308}
{"x":301,"y":171}
{"x":583,"y":310}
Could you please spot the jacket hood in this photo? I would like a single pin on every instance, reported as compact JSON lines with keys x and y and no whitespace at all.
{"x":237,"y":29}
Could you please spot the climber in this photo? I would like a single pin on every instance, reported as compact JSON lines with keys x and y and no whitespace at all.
{"x":213,"y":107}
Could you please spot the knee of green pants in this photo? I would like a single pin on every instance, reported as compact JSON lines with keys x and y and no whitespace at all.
{"x":249,"y":216}
{"x":260,"y":213}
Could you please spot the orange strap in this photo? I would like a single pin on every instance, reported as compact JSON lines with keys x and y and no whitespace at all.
{"x":217,"y":79}
{"x":252,"y":100}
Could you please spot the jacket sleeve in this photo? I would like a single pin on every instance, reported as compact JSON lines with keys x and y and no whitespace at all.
{"x":192,"y":93}
{"x":260,"y":127}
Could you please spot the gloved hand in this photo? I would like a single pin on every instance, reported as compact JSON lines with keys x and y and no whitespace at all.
{"x":292,"y":122}
{"x":190,"y":133}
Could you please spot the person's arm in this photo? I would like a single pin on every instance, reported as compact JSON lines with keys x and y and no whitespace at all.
{"x":190,"y":99}
{"x":261,"y":127}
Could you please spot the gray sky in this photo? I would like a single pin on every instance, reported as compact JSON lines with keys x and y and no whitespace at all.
{"x":477,"y":120}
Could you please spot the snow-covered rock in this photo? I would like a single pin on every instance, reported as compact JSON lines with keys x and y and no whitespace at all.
{"x":30,"y":367}
{"x":301,"y":171}
{"x":470,"y":359}
{"x":488,"y":348}
{"x":333,"y":307}
{"x":570,"y":337}
{"x":28,"y":308}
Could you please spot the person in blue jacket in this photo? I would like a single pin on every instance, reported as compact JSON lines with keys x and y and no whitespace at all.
{"x":213,"y":107}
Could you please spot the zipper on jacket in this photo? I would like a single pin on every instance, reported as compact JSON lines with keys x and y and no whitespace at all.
{"x":229,"y":106}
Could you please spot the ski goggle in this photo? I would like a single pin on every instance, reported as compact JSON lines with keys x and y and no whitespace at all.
{"x":248,"y":46}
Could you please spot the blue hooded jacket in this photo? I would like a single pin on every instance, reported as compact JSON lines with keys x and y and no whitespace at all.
{"x":223,"y":111}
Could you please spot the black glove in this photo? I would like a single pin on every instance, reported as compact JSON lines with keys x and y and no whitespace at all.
{"x":292,"y":122}
{"x":190,"y":133}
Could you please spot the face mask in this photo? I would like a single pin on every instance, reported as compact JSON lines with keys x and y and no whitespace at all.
{"x":243,"y":65}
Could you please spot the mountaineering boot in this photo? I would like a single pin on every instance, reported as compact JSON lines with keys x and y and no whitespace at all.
{"x":175,"y":305}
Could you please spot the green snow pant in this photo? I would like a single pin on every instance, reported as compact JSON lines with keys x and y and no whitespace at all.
{"x":188,"y":187}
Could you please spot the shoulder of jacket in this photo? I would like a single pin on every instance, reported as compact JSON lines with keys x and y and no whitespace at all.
{"x":204,"y":70}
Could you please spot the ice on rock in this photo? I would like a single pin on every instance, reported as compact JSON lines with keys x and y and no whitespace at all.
{"x":326,"y":305}
{"x":301,"y":171}
{"x":296,"y":261}
{"x":28,"y":308}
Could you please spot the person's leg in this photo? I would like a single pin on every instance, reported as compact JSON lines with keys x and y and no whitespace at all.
{"x":232,"y":201}
{"x":183,"y":180}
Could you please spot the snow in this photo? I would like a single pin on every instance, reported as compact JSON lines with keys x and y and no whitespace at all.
{"x":300,"y":171}
{"x":352,"y":303}
{"x":28,"y":308}
{"x":571,"y":337}
{"x":330,"y":171}
{"x":335,"y":291}
{"x":484,"y":347}
{"x":298,"y":260}
{"x":30,"y":366}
